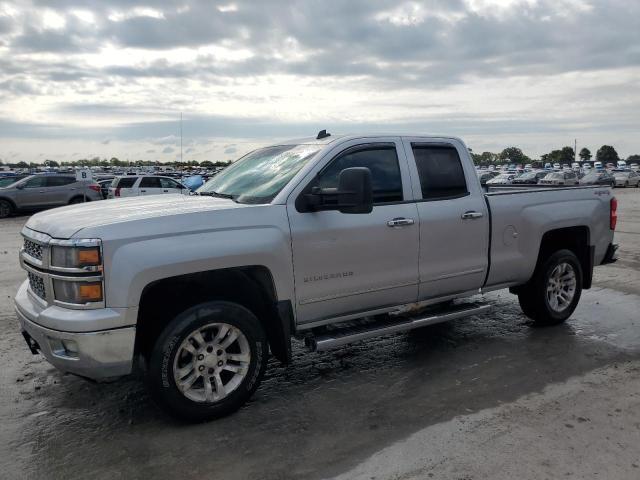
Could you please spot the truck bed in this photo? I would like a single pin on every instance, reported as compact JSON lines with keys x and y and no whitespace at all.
{"x":520,"y":216}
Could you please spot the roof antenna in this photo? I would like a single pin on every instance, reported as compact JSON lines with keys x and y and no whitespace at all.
{"x":322,"y":134}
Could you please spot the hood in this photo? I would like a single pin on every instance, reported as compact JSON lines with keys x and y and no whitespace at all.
{"x":64,"y":222}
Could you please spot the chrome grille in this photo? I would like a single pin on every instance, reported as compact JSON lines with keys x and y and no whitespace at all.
{"x":33,"y":249}
{"x":36,"y":283}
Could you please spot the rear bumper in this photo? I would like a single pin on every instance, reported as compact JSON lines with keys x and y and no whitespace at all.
{"x":94,"y":354}
{"x":611,"y":255}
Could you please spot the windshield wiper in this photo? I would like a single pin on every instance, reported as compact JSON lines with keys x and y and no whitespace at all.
{"x":218,"y":194}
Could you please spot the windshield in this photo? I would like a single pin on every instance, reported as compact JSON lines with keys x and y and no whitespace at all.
{"x":554,"y":175}
{"x":6,"y":181}
{"x":527,"y":176}
{"x":260,"y":175}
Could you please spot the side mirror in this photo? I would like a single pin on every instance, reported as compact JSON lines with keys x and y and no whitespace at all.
{"x":353,"y":195}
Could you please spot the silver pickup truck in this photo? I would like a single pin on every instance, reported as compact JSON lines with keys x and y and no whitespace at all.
{"x":331,"y":239}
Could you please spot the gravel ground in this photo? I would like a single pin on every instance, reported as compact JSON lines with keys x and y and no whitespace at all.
{"x":480,"y":398}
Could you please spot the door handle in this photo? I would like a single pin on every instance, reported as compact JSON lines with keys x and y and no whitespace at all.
{"x":165,"y":191}
{"x":471,"y":215}
{"x":143,"y":191}
{"x":400,"y":222}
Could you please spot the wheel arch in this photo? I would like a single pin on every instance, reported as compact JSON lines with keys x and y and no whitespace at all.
{"x":576,"y":239}
{"x":250,"y":286}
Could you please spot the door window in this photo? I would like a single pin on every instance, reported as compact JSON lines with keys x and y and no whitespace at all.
{"x":124,"y":182}
{"x":440,"y":171}
{"x":150,"y":182}
{"x":35,"y":182}
{"x":59,"y":181}
{"x":381,"y":160}
{"x":168,"y":183}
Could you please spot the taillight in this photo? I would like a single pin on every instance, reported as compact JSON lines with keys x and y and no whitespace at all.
{"x":117,"y":192}
{"x":95,"y":188}
{"x":613,"y":213}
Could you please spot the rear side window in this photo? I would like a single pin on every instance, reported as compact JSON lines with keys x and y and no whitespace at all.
{"x":59,"y":181}
{"x":440,"y":171}
{"x":381,"y":160}
{"x":124,"y":182}
{"x":150,"y":182}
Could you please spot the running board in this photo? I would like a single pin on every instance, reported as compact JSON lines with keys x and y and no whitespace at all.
{"x":343,"y":336}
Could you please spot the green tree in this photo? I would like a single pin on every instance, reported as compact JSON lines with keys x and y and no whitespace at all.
{"x":51,"y":163}
{"x":585,"y":154}
{"x":630,"y":158}
{"x":607,"y":154}
{"x":513,"y":155}
{"x":22,"y":165}
{"x":206,"y":164}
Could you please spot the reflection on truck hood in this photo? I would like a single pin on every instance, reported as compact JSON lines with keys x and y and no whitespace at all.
{"x":64,"y":222}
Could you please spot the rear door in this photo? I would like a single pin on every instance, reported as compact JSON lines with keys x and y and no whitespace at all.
{"x":454,"y":218}
{"x":60,"y":189}
{"x":349,"y":263}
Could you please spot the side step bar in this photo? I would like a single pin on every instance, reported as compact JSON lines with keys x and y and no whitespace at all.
{"x":340,"y":337}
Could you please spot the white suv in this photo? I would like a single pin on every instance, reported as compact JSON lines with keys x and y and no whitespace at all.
{"x":136,"y":185}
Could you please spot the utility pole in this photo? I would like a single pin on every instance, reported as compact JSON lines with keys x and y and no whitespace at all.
{"x":575,"y":149}
{"x":180,"y":137}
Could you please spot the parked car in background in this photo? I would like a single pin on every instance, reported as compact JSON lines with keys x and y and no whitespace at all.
{"x":46,"y":191}
{"x":548,"y":166}
{"x":598,"y":178}
{"x":622,"y":164}
{"x":635,"y":167}
{"x":104,"y":187}
{"x":502,"y":179}
{"x":598,"y":165}
{"x":485,"y":176}
{"x":556,"y":166}
{"x":560,"y":178}
{"x":5,"y":181}
{"x":626,"y":178}
{"x":530,"y":178}
{"x":140,"y":185}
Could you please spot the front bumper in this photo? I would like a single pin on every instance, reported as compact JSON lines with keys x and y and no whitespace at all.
{"x":96,"y":354}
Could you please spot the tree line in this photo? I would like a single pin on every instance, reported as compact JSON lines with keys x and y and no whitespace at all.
{"x":605,"y":154}
{"x":113,"y":162}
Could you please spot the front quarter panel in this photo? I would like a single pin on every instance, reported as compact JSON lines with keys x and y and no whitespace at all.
{"x":141,"y":252}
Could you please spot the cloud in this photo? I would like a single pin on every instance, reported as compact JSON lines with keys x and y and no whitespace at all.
{"x":168,"y":150}
{"x":125,"y":69}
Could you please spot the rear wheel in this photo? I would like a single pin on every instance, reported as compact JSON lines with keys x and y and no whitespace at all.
{"x":6,"y":209}
{"x":208,"y":361}
{"x":552,"y":294}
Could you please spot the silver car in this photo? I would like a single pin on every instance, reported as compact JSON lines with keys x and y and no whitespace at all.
{"x":627,"y":178}
{"x":46,"y":191}
{"x":560,"y":178}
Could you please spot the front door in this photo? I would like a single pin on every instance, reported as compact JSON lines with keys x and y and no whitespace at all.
{"x":454,"y":219}
{"x":150,"y":186}
{"x":349,"y":263}
{"x":32,"y":195}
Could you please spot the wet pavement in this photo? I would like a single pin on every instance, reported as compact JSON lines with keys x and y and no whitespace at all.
{"x":484,"y":397}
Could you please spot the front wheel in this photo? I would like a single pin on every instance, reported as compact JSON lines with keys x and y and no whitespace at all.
{"x":552,"y":294}
{"x":208,"y":361}
{"x":6,"y":209}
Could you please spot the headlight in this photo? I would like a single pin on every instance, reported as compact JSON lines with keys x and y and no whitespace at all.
{"x":78,"y":292}
{"x":75,"y":257}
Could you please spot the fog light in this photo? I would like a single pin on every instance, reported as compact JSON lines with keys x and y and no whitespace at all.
{"x":71,"y":347}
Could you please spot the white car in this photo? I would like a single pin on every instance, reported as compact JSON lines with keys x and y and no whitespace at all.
{"x":502,"y":179}
{"x":634,"y":167}
{"x":560,"y":178}
{"x":137,"y":185}
{"x":628,"y":178}
{"x":556,"y":166}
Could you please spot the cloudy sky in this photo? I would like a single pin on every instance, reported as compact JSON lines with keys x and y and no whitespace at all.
{"x":80,"y":78}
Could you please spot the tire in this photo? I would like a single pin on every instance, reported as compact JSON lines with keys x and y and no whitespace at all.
{"x":171,"y":360}
{"x":550,"y":308}
{"x":76,"y":200}
{"x":6,"y":209}
{"x":626,"y":184}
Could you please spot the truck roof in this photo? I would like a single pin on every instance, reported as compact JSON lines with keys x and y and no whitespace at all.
{"x":332,"y":138}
